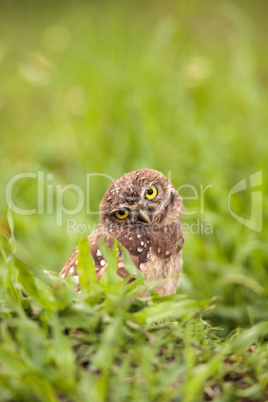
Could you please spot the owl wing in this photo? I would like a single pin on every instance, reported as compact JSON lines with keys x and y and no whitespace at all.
{"x":70,"y":266}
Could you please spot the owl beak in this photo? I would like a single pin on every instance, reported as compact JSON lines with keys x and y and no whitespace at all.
{"x":145,"y":216}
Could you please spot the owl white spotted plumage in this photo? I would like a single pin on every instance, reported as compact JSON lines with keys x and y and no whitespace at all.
{"x":142,"y":210}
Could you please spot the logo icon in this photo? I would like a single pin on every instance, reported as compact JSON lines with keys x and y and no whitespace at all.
{"x":255,"y":220}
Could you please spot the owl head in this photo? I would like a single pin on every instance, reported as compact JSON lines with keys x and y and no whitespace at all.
{"x":140,"y":199}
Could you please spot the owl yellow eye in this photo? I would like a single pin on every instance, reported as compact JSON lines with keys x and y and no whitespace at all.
{"x":121,"y":213}
{"x":151,"y":192}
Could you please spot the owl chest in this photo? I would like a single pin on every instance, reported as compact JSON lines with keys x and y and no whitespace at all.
{"x":157,"y":253}
{"x":163,"y":241}
{"x":137,"y":243}
{"x":164,"y":271}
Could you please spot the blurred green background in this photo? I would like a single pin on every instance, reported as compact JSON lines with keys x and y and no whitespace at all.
{"x":106,"y":87}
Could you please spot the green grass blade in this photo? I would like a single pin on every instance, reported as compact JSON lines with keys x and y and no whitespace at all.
{"x":86,"y":268}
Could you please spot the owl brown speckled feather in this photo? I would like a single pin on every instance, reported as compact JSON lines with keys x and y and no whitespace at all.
{"x":142,"y":210}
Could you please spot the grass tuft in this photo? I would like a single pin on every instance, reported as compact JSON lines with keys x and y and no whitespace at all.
{"x":108,"y":342}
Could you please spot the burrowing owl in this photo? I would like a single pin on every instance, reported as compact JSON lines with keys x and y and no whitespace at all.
{"x":142,"y":210}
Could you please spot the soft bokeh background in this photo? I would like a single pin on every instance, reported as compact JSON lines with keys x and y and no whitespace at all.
{"x":106,"y":87}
